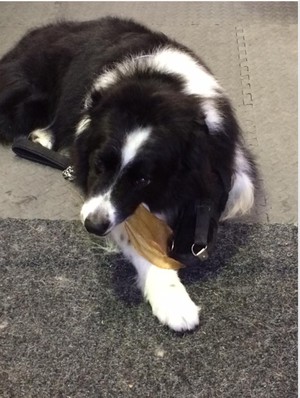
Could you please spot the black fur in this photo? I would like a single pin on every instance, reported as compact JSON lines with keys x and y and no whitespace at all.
{"x":45,"y":79}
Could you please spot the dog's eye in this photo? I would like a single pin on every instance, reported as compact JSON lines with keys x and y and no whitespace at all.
{"x":142,"y":182}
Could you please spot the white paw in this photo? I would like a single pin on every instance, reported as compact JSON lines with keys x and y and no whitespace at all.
{"x":174,"y":308}
{"x":43,"y":137}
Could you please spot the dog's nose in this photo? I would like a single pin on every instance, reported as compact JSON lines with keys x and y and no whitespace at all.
{"x":97,"y":228}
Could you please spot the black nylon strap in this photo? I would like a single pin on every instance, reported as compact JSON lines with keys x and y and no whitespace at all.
{"x":200,"y":247}
{"x":197,"y":225}
{"x":203,"y":216}
{"x":37,"y":153}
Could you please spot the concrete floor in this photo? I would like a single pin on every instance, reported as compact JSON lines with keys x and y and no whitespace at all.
{"x":252,"y":49}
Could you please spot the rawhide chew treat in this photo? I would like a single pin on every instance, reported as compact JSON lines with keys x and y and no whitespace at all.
{"x":149,"y":236}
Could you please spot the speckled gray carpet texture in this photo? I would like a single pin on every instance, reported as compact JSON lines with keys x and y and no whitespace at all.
{"x":72,"y":322}
{"x":74,"y":325}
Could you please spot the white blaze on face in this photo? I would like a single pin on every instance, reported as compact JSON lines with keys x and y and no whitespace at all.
{"x":101,"y":206}
{"x":133,"y":143}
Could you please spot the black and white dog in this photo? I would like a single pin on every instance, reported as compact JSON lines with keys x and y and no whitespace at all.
{"x":146,"y":122}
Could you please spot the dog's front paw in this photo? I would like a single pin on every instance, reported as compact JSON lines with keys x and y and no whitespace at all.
{"x":174,"y":308}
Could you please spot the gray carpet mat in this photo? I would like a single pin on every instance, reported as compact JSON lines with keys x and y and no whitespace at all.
{"x":73,"y":324}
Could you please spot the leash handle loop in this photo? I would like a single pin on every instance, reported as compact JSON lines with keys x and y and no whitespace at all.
{"x":39,"y":154}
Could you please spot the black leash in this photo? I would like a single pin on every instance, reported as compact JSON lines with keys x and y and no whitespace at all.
{"x":39,"y":154}
{"x":196,"y":229}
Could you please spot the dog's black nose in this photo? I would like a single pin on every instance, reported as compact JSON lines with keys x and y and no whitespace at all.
{"x":97,"y":228}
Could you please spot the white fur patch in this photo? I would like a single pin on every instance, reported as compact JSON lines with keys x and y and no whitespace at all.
{"x":197,"y":80}
{"x":133,"y":143}
{"x":82,"y":125}
{"x":105,"y":80}
{"x":241,"y":196}
{"x":213,"y":118}
{"x":167,"y":296}
{"x":101,"y":205}
{"x":43,"y":137}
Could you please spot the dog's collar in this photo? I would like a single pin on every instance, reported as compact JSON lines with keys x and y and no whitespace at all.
{"x":207,"y":219}
{"x":196,"y":229}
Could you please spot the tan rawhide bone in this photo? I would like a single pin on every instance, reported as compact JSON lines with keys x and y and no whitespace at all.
{"x":149,"y":236}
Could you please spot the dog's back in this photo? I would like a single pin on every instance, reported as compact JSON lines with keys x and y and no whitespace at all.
{"x":32,"y":74}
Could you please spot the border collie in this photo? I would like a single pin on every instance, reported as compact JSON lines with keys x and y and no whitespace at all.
{"x":146,"y":122}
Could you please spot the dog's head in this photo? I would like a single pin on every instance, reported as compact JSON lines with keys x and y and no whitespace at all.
{"x":139,"y":144}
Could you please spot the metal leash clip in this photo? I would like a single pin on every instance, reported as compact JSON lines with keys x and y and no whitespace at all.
{"x":69,"y":173}
{"x":201,"y":252}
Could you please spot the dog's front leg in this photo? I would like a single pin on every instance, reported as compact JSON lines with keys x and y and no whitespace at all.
{"x":167,"y":296}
